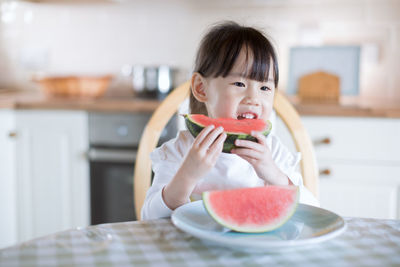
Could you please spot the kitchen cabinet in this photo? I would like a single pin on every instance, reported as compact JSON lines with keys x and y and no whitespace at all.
{"x":359,"y":164}
{"x":8,"y":203}
{"x":51,"y":180}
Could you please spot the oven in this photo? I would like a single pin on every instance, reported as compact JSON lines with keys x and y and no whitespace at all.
{"x":113,"y":144}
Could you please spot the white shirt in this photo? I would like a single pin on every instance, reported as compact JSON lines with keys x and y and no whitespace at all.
{"x":230,"y":171}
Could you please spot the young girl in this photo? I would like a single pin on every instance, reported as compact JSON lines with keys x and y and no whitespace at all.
{"x":235,"y":76}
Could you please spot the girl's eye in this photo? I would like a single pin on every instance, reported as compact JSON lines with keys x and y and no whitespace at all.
{"x":265,"y":88}
{"x":239,"y":84}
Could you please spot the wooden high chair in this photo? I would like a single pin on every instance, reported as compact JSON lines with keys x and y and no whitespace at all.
{"x":161,"y":116}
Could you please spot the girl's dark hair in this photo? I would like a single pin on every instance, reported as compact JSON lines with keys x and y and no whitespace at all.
{"x":220,"y":48}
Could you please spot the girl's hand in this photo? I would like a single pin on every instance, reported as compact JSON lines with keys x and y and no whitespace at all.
{"x":204,"y":152}
{"x":198,"y":161}
{"x":260,"y":157}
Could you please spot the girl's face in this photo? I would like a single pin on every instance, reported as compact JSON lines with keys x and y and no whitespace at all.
{"x":238,"y":97}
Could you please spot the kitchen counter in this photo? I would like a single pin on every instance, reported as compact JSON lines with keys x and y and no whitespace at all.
{"x":347,"y":106}
{"x":108,"y":103}
{"x":350,"y":106}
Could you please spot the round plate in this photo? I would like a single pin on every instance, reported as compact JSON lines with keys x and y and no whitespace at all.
{"x":308,"y":225}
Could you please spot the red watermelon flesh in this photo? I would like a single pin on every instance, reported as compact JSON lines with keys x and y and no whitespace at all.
{"x":231,"y":125}
{"x":234,"y":129}
{"x":252,"y":210}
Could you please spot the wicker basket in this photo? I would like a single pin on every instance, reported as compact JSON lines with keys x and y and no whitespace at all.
{"x":75,"y":86}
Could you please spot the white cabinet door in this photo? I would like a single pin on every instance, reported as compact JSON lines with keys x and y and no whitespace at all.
{"x":8,"y":209}
{"x":52,"y":171}
{"x":363,"y":160}
{"x":357,"y":189}
{"x":359,"y":199}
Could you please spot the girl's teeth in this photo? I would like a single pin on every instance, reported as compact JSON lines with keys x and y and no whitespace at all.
{"x":247,"y":116}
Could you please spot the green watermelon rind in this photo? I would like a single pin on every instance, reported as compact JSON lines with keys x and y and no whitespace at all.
{"x":261,"y":229}
{"x":229,"y":143}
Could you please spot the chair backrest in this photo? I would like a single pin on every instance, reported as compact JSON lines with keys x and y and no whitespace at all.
{"x":161,"y":116}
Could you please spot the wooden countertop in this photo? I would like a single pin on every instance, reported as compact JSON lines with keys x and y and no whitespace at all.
{"x":348,"y":106}
{"x":36,"y":100}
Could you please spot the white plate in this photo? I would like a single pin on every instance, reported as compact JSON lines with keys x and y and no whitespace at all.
{"x":308,"y":225}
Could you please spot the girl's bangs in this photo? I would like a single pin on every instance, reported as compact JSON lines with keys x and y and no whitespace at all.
{"x":260,"y":57}
{"x":257,"y":64}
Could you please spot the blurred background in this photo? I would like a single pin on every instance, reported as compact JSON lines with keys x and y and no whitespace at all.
{"x":80,"y":79}
{"x":99,"y":37}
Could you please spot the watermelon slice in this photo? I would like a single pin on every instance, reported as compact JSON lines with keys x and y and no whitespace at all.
{"x":234,"y":128}
{"x":252,"y":210}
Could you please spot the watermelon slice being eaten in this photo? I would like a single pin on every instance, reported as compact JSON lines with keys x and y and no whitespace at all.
{"x":234,"y":128}
{"x":252,"y":210}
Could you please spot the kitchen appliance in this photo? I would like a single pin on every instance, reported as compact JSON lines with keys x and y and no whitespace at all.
{"x":153,"y":81}
{"x":113,"y":141}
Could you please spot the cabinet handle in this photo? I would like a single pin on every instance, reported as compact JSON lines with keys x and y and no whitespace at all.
{"x":325,"y":172}
{"x":12,"y":134}
{"x":323,"y":141}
